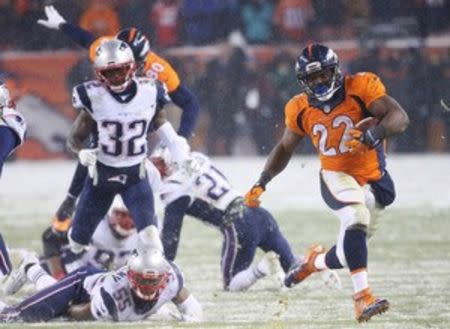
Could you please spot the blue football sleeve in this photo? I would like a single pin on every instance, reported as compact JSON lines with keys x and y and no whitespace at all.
{"x":187,"y":101}
{"x":78,"y":35}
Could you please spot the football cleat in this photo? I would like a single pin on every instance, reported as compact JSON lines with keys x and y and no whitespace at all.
{"x":367,"y":305}
{"x":15,"y":281}
{"x":301,"y":271}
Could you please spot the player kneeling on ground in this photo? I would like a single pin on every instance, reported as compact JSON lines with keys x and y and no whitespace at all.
{"x":113,"y":242}
{"x":131,"y":293}
{"x":203,"y":192}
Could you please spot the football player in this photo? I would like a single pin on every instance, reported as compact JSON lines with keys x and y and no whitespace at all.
{"x":132,"y":293}
{"x":354,"y":180}
{"x":149,"y":64}
{"x":120,"y":110}
{"x":12,"y":135}
{"x":113,"y":242}
{"x":206,"y":194}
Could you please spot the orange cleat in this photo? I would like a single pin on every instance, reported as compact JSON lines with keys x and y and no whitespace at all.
{"x":301,"y":272}
{"x":367,"y":305}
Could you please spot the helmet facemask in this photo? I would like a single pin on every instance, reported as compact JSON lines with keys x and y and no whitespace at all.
{"x":114,"y":64}
{"x":148,"y":273}
{"x":116,"y":77}
{"x":147,"y":286}
{"x":121,"y":223}
{"x":321,"y":84}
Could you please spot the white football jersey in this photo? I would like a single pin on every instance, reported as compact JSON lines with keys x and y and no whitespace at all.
{"x":122,"y":121}
{"x":106,"y":248}
{"x":208,"y":184}
{"x":14,"y":120}
{"x":112,"y":299}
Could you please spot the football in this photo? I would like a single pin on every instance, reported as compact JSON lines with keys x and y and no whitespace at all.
{"x":366,"y":123}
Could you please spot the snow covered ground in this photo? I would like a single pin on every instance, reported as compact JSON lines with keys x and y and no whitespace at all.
{"x":409,"y":256}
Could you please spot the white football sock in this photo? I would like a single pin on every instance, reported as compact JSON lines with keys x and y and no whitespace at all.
{"x":319,"y":262}
{"x":245,"y":279}
{"x":40,"y":277}
{"x":360,"y":281}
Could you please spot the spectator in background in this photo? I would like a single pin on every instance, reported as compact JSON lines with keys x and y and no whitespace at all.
{"x":165,"y":19}
{"x":432,"y":15}
{"x":224,"y":99}
{"x":200,"y":20}
{"x":100,"y":18}
{"x":257,"y":21}
{"x":292,"y":19}
{"x":7,"y":21}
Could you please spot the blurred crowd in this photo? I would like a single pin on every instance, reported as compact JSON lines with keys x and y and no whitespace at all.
{"x":244,"y":96}
{"x":200,"y":22}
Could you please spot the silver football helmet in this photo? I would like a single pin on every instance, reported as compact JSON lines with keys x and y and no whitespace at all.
{"x":148,"y":273}
{"x":114,"y":64}
{"x":5,"y":98}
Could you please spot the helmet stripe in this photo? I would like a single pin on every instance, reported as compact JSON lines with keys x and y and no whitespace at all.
{"x":132,"y":34}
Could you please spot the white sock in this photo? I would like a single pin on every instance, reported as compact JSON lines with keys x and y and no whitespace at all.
{"x":360,"y":281}
{"x":40,"y":277}
{"x":244,"y":279}
{"x":319,"y":262}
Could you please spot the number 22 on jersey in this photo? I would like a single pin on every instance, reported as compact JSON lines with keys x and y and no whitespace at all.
{"x":331,"y":140}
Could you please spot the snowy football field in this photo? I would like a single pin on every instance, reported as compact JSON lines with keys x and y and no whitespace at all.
{"x":409,"y":257}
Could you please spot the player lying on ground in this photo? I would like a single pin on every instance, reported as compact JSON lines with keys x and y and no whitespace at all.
{"x":206,"y":194}
{"x":354,"y":180}
{"x":114,"y":240}
{"x":149,"y":65}
{"x":121,"y":111}
{"x":131,"y":293}
{"x":12,"y":134}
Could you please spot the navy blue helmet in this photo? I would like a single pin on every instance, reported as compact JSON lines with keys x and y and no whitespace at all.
{"x":137,"y":41}
{"x":318,"y":73}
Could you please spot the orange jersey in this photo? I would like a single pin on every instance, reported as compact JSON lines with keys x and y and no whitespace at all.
{"x":155,"y":67}
{"x":158,"y":68}
{"x":328,"y":131}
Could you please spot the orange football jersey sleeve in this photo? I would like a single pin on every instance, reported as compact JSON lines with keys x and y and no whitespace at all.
{"x":159,"y":69}
{"x":293,"y":112}
{"x":368,"y":87}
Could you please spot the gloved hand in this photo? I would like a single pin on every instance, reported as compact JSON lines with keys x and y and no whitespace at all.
{"x":54,"y":18}
{"x":88,"y":157}
{"x":361,"y":142}
{"x":251,"y":198}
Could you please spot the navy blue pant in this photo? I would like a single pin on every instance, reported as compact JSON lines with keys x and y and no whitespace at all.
{"x":256,"y":228}
{"x":95,"y":200}
{"x":53,"y":301}
{"x":8,"y":141}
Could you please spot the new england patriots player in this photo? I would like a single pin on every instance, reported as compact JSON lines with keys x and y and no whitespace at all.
{"x":120,"y":110}
{"x":12,"y":134}
{"x":132,"y":293}
{"x":353,"y":178}
{"x":207,"y":195}
{"x":113,"y":242}
{"x":149,"y":64}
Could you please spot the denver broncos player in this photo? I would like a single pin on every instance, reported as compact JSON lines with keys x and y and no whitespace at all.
{"x":120,"y":111}
{"x":206,"y":194}
{"x":352,"y":161}
{"x":149,"y":64}
{"x":131,"y":293}
{"x":12,"y":135}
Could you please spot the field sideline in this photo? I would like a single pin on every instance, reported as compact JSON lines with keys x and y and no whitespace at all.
{"x":409,"y":262}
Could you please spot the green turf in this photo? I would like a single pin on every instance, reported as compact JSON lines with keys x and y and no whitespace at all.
{"x":409,"y":263}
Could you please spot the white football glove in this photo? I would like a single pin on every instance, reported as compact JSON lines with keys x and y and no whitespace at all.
{"x":54,"y":18}
{"x":88,"y":157}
